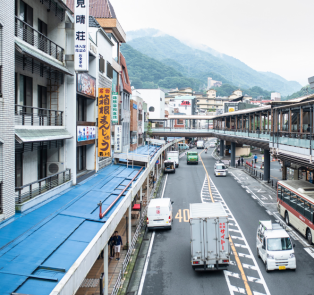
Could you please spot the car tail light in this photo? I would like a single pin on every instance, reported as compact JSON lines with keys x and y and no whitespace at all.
{"x":196,"y":262}
{"x":169,"y":217}
{"x":225,"y":260}
{"x":147,"y":220}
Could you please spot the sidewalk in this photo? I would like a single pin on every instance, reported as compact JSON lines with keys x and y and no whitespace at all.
{"x":91,"y":284}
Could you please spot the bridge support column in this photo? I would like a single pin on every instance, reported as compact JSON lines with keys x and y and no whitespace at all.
{"x":266,"y":165}
{"x":233,"y":148}
{"x":222,"y":148}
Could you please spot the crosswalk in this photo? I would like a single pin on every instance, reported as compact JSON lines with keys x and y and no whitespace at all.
{"x":250,"y":280}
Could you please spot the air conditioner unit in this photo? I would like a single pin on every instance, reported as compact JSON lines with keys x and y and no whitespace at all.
{"x":54,"y":167}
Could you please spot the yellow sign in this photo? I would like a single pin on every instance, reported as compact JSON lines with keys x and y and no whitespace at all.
{"x":104,"y":134}
{"x":230,"y":109}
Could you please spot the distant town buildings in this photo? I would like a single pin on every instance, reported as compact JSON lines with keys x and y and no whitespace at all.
{"x":213,"y":83}
{"x":275,"y":96}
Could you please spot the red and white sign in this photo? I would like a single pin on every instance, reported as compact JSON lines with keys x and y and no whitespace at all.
{"x":157,"y":211}
{"x":222,"y":228}
{"x":185,"y":103}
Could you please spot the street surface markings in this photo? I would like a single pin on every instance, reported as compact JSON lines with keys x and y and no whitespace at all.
{"x":254,"y":285}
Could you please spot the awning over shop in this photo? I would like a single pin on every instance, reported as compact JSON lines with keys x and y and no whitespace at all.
{"x":25,"y":49}
{"x":34,"y":135}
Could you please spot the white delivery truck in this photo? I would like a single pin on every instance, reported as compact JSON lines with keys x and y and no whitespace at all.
{"x":173,"y":156}
{"x":274,"y":246}
{"x":159,"y":214}
{"x":209,"y":229}
{"x":200,"y":144}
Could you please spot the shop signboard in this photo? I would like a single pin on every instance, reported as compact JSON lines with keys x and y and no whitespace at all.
{"x":104,"y":140}
{"x":118,"y":138}
{"x":81,"y":17}
{"x":85,"y":133}
{"x":114,"y":118}
{"x":86,"y":85}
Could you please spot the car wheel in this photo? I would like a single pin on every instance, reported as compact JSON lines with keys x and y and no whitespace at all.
{"x":174,"y":171}
{"x":259,"y":256}
{"x":287,"y":218}
{"x":266,"y":267}
{"x":309,"y":236}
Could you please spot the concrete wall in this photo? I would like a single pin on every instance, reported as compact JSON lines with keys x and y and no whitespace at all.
{"x":242,"y":151}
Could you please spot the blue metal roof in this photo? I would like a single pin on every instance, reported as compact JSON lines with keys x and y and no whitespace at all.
{"x":39,"y":246}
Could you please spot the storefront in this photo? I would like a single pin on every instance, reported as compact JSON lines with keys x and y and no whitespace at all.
{"x":86,"y":127}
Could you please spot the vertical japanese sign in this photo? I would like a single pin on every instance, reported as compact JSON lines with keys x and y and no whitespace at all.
{"x":118,"y":138}
{"x":81,"y":35}
{"x":114,"y":107}
{"x":104,"y":146}
{"x":222,"y":228}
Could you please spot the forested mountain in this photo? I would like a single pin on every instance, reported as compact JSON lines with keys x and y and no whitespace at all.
{"x":200,"y":64}
{"x":146,"y":72}
{"x":306,"y":90}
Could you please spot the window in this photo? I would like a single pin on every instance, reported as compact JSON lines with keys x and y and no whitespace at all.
{"x":101,"y":64}
{"x":308,"y":211}
{"x":42,"y":100}
{"x":42,"y":163}
{"x":18,"y":169}
{"x":26,"y":15}
{"x":109,"y":70}
{"x":26,"y":93}
{"x":279,"y":192}
{"x":300,"y":205}
{"x":180,"y":121}
{"x":115,"y":81}
{"x":42,"y":41}
{"x":293,"y":200}
{"x":81,"y":108}
{"x":151,"y":109}
{"x":81,"y":158}
{"x":286,"y":195}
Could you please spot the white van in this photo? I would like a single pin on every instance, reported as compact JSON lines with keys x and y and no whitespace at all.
{"x":159,"y":213}
{"x":174,"y":157}
{"x":200,"y":144}
{"x":220,"y":169}
{"x":183,"y":146}
{"x":274,"y":246}
{"x":169,"y":166}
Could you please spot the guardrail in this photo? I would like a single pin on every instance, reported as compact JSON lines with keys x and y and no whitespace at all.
{"x":249,"y":167}
{"x":35,"y":188}
{"x":32,"y":116}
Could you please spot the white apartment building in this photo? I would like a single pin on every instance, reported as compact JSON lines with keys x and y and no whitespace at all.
{"x":275,"y":96}
{"x":155,"y":99}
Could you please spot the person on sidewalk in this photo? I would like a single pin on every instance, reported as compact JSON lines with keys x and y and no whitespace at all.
{"x":112,"y":243}
{"x":239,"y":162}
{"x":242,"y":160}
{"x":255,"y":158}
{"x":118,"y":245}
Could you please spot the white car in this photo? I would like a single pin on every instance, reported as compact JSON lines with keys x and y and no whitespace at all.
{"x":212,"y":145}
{"x":220,"y":169}
{"x":275,"y":247}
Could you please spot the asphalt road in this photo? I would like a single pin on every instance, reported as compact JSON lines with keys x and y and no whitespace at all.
{"x":169,"y":270}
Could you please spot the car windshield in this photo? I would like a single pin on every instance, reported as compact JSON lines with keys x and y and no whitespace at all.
{"x":279,"y":244}
{"x":220,"y":167}
{"x":168,"y":164}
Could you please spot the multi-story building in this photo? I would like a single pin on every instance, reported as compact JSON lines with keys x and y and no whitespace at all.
{"x":133,"y":125}
{"x":7,"y":89}
{"x":213,"y":83}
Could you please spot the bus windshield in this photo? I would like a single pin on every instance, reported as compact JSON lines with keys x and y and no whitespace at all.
{"x":279,"y":244}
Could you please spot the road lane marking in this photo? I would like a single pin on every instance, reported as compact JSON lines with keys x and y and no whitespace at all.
{"x":254,"y":280}
{"x":239,"y":264}
{"x":208,"y":182}
{"x":141,"y":286}
{"x":232,"y":289}
{"x":249,"y":266}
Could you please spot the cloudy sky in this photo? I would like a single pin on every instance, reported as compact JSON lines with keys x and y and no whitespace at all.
{"x":268,"y":35}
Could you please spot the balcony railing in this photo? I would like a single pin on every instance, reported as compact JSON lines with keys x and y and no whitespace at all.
{"x":32,"y":116}
{"x":27,"y":33}
{"x":33,"y":189}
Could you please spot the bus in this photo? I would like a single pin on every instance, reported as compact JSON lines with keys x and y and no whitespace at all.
{"x":295,"y":203}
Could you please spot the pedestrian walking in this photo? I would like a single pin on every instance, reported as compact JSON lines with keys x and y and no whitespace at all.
{"x":242,"y":160}
{"x":255,"y":158}
{"x":112,"y":243}
{"x":118,"y":245}
{"x":239,"y":162}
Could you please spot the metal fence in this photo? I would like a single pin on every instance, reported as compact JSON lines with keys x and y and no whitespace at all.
{"x":33,"y":189}
{"x":129,"y":254}
{"x":28,"y":34}
{"x":32,"y":116}
{"x":259,"y":175}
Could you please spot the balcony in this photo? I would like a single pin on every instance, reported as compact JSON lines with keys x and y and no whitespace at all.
{"x":33,"y":189}
{"x":32,"y":116}
{"x":28,"y":34}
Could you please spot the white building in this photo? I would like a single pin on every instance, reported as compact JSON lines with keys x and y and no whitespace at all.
{"x":276,"y":96}
{"x":184,"y":104}
{"x":155,"y":99}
